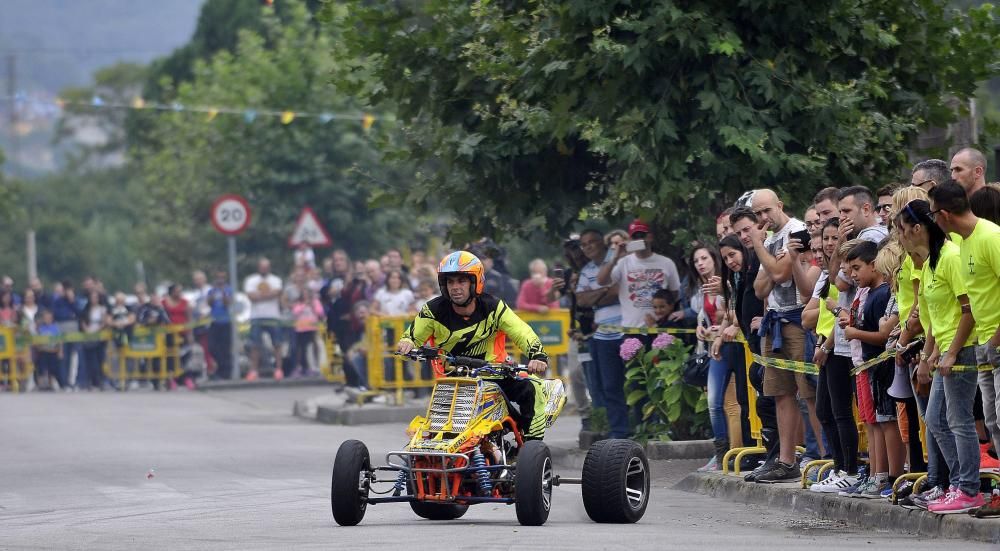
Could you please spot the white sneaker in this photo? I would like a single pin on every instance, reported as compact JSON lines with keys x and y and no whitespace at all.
{"x":831,"y":477}
{"x":843,"y":482}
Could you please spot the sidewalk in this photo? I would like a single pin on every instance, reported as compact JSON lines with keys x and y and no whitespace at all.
{"x":875,"y":513}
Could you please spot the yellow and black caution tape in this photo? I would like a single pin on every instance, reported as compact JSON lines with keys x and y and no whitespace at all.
{"x":787,"y":365}
{"x":106,"y":334}
{"x":963,"y":368}
{"x":873,"y":362}
{"x":644,"y":330}
{"x":137,"y":331}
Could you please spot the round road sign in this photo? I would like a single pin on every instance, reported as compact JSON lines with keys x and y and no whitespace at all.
{"x":230,"y":214}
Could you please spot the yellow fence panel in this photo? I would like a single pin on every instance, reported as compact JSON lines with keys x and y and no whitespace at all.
{"x":15,"y":359}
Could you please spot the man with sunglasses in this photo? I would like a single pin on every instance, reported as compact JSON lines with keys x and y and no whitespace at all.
{"x":884,"y":207}
{"x":980,"y":250}
{"x":929,"y":173}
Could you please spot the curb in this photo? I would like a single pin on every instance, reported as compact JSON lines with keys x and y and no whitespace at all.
{"x":368,"y":414}
{"x":686,"y":449}
{"x":261,"y":383}
{"x":862,"y":512}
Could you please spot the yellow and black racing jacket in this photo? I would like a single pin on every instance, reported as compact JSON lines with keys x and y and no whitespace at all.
{"x":482,"y":335}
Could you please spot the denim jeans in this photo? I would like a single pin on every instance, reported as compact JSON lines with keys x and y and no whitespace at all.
{"x":937,"y":468}
{"x":989,"y":383}
{"x":811,"y":441}
{"x":610,"y":378}
{"x":592,"y":377}
{"x":949,"y":418}
{"x":356,"y":369}
{"x":718,"y":379}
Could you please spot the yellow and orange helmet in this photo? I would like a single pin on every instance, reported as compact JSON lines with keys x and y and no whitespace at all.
{"x":462,"y":262}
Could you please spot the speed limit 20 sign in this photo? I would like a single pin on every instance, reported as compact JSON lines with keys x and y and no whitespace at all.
{"x":230,"y":214}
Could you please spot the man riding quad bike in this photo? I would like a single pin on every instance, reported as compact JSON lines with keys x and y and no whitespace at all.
{"x":480,"y":440}
{"x":466,"y":322}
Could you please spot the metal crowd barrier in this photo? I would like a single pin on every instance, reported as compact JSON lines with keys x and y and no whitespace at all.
{"x":15,"y":359}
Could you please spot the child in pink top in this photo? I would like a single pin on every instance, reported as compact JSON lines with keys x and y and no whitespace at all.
{"x":307,"y":312}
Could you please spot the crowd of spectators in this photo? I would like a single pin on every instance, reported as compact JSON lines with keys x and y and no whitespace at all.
{"x":887,"y":303}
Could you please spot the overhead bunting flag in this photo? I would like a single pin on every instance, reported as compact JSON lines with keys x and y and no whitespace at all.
{"x":286,"y":116}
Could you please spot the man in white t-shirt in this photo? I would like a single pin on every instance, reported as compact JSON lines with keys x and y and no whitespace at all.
{"x":639,"y":275}
{"x":264,"y":291}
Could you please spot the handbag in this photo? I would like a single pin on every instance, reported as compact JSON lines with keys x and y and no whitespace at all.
{"x":696,"y":370}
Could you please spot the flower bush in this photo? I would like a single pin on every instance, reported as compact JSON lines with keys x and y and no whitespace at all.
{"x":670,"y":409}
{"x":629,"y":348}
{"x":663,"y":340}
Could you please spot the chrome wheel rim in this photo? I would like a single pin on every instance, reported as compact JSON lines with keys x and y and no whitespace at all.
{"x":547,"y":483}
{"x":635,"y":483}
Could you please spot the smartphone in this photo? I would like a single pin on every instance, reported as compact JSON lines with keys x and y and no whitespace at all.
{"x":803,"y":237}
{"x":636,"y":245}
{"x":557,"y":273}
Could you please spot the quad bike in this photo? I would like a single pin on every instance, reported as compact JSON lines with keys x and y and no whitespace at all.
{"x":468,"y":449}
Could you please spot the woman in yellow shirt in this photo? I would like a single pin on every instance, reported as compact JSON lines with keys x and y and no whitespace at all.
{"x":949,"y":343}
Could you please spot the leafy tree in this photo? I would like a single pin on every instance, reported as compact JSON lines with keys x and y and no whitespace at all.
{"x":528,"y":115}
{"x":279,"y":168}
{"x":219,"y":24}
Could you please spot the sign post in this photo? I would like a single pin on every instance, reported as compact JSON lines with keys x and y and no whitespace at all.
{"x":230,"y":216}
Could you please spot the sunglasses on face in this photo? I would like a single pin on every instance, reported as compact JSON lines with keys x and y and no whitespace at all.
{"x":886,"y":207}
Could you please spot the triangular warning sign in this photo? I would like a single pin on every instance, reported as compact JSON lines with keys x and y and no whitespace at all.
{"x":309,"y":231}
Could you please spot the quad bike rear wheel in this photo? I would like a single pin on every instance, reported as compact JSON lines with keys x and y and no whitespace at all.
{"x":615,"y":482}
{"x":349,"y":483}
{"x":533,"y":484}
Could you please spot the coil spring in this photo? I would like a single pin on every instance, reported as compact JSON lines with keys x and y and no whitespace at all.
{"x":482,"y":474}
{"x":400,"y":485}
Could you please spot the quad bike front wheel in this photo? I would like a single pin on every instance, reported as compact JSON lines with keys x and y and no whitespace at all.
{"x":533,"y":484}
{"x":615,"y":481}
{"x":349,"y":484}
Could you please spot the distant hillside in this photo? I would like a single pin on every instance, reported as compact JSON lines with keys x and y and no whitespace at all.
{"x":60,"y":43}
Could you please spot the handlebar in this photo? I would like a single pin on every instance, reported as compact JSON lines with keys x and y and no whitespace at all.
{"x":473,"y":367}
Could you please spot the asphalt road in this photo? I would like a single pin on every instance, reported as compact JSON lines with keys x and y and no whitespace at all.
{"x":234,"y":470}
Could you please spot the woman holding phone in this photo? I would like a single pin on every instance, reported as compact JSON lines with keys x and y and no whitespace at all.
{"x":710,"y":307}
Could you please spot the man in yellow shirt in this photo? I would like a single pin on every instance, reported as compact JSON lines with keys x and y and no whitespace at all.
{"x":980,"y":250}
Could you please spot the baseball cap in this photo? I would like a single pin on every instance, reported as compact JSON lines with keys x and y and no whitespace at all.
{"x":637,"y":225}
